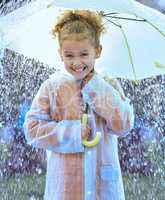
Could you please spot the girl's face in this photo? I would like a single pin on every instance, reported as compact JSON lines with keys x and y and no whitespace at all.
{"x":79,"y":57}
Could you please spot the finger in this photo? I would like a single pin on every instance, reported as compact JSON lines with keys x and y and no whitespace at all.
{"x":88,"y":127}
{"x":85,"y":134}
{"x":88,"y":132}
{"x":57,"y":117}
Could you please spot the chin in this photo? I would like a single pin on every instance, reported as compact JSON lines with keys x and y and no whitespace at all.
{"x":79,"y":76}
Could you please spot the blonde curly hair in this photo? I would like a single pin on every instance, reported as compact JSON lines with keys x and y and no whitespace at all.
{"x":79,"y":24}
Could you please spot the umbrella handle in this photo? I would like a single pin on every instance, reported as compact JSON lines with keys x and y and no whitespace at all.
{"x":96,"y":139}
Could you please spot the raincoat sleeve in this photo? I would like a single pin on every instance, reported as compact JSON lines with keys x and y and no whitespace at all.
{"x":43,"y":132}
{"x":106,"y":102}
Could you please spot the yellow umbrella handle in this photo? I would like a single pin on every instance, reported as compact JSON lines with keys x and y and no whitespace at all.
{"x":97,"y":138}
{"x":84,"y":119}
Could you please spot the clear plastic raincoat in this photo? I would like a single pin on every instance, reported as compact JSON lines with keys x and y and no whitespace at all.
{"x":75,"y":172}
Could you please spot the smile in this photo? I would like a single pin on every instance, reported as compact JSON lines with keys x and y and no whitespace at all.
{"x":80,"y":69}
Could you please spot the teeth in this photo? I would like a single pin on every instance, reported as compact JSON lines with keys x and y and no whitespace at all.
{"x":79,"y":69}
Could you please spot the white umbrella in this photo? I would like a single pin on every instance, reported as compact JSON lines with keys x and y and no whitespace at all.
{"x":135,"y":50}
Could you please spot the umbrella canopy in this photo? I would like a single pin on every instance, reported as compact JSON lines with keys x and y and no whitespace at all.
{"x":132,"y":49}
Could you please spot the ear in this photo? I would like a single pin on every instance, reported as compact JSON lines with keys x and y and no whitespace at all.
{"x":98,"y":51}
{"x":60,"y":53}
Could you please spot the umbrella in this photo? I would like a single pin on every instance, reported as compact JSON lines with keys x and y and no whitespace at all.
{"x":133,"y":46}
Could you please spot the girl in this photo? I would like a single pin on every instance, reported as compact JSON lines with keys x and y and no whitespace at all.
{"x":75,"y":172}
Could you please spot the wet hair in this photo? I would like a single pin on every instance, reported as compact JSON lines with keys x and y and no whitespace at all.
{"x":79,"y":24}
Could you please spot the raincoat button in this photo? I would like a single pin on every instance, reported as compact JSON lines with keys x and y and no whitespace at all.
{"x":89,"y":192}
{"x":89,"y":152}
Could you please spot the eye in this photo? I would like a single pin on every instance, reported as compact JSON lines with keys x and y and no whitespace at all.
{"x":69,"y":56}
{"x":84,"y":54}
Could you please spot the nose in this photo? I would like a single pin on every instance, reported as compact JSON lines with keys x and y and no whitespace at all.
{"x":77,"y":61}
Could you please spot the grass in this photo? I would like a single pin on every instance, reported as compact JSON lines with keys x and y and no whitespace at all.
{"x":144,"y":188}
{"x":32,"y":187}
{"x":22,"y":187}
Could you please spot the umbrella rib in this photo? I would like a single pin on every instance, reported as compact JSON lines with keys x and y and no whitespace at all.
{"x":129,"y":52}
{"x":113,"y":22}
{"x":131,"y":19}
{"x":155,"y":27}
{"x":102,"y":13}
{"x":117,"y":17}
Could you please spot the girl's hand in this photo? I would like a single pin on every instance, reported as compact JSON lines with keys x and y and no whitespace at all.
{"x":85,"y":131}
